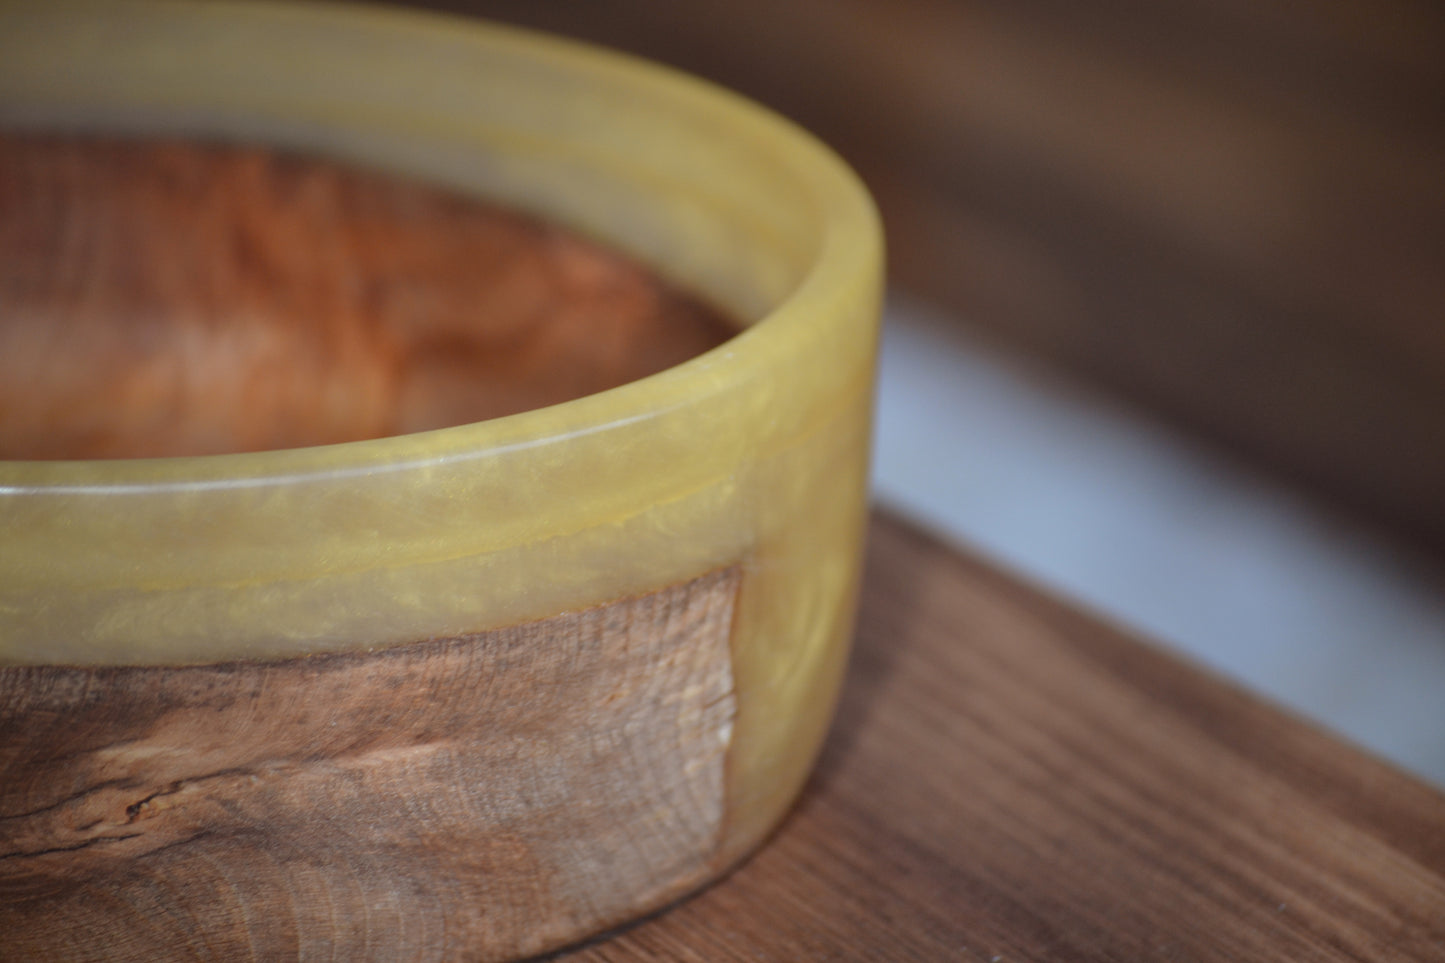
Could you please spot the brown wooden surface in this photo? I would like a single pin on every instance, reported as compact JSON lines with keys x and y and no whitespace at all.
{"x":1011,"y":780}
{"x":173,"y":298}
{"x":1229,"y":212}
{"x":479,"y":798}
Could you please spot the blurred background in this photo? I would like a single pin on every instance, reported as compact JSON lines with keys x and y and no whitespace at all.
{"x":1167,"y":332}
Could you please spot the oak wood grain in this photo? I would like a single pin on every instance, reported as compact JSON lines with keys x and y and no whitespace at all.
{"x":1010,"y":779}
{"x":475,"y":798}
{"x":175,"y":298}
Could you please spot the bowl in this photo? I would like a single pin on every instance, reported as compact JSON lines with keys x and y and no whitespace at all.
{"x":473,"y":692}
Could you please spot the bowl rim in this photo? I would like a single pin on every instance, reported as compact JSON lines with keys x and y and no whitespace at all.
{"x":850,"y":243}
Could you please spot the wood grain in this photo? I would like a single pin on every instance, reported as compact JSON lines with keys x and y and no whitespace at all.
{"x":172,"y":298}
{"x":476,"y":798}
{"x":1009,"y":779}
{"x":1229,"y":213}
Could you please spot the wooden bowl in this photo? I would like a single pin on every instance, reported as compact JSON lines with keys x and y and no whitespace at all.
{"x":471,"y":692}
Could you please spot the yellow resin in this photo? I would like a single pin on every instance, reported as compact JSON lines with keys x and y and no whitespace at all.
{"x":754,"y":452}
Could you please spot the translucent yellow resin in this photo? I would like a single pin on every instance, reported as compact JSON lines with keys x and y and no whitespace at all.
{"x":755,"y":451}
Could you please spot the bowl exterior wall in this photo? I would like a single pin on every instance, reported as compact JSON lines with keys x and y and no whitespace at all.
{"x":749,"y":461}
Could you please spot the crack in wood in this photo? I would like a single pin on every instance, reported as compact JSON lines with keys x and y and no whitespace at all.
{"x":85,"y":844}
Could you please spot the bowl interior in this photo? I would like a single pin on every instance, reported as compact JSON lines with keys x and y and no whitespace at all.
{"x":165,"y":297}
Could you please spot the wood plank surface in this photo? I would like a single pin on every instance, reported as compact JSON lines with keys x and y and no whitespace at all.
{"x":1231,"y":214}
{"x":1009,"y":779}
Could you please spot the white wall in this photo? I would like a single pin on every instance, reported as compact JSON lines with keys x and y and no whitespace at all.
{"x":1099,"y":503}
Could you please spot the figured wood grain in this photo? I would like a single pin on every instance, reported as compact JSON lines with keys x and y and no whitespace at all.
{"x":1009,"y":779}
{"x":476,"y":798}
{"x":176,"y":298}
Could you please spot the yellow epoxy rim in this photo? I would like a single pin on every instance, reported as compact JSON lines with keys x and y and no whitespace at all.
{"x":843,"y":269}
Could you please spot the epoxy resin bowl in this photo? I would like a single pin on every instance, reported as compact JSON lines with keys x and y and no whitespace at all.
{"x":466,"y":693}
